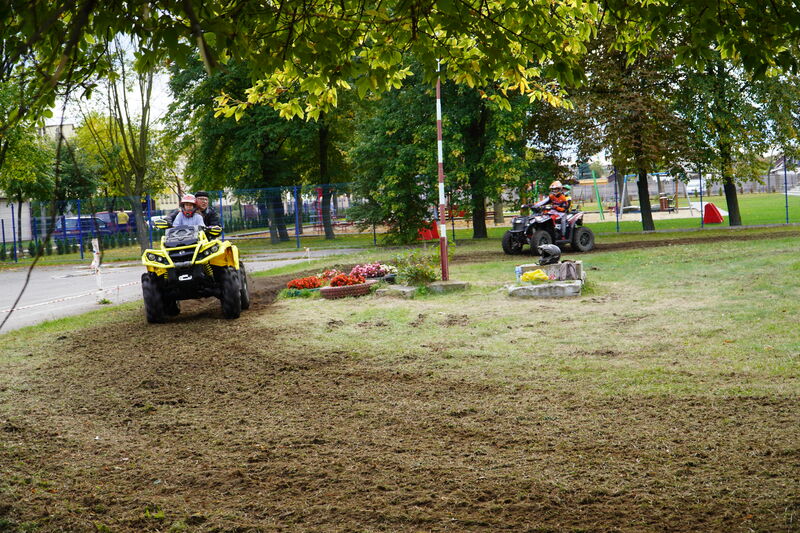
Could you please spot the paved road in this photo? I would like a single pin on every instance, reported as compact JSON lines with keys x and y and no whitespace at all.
{"x":57,"y":292}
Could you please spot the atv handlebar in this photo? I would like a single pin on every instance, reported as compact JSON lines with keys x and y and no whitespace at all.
{"x":213,"y":231}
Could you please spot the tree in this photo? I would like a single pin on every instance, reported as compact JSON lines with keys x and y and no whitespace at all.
{"x":27,"y":173}
{"x":728,"y":126}
{"x":486,"y":146}
{"x":254,"y":152}
{"x":625,"y":108}
{"x":484,"y":150}
{"x":324,"y":47}
{"x":123,"y":140}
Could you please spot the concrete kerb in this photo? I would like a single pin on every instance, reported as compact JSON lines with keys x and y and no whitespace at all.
{"x":437,"y":287}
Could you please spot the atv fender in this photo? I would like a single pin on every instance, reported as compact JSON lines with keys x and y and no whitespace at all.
{"x":228,"y":259}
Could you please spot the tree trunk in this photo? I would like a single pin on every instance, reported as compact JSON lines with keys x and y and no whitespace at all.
{"x":326,"y":212}
{"x":324,"y":144}
{"x":734,"y":215}
{"x":478,"y":215}
{"x":499,"y":218}
{"x":729,"y":186}
{"x":142,"y":225}
{"x":19,"y":224}
{"x":644,"y":201}
{"x":276,"y":217}
{"x":273,"y":227}
{"x":477,"y":175}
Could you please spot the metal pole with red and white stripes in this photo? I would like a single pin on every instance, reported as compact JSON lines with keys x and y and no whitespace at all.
{"x":442,"y":197}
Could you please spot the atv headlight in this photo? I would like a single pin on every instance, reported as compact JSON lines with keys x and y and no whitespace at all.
{"x":210,"y":250}
{"x":152,"y":257}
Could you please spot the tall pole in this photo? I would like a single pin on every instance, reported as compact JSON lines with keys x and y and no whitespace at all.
{"x":13,"y":233}
{"x":442,"y":197}
{"x":597,"y":196}
{"x":700,"y":175}
{"x":221,"y":214}
{"x":785,"y":187}
{"x":297,"y":216}
{"x":616,"y":197}
{"x":80,"y":229}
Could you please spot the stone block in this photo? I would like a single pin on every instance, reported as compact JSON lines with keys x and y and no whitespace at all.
{"x":553,"y":269}
{"x":397,"y":291}
{"x":547,"y":289}
{"x":440,"y":287}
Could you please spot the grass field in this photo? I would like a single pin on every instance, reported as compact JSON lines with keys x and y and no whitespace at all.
{"x":667,"y":397}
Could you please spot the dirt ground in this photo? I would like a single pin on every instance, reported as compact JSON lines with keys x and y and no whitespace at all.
{"x":128,"y":428}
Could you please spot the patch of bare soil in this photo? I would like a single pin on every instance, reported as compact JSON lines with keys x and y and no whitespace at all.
{"x":132,"y":428}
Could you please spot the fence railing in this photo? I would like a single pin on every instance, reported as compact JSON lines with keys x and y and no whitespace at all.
{"x":292,"y":213}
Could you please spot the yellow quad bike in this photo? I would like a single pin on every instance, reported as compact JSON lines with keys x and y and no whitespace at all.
{"x":188,"y":266}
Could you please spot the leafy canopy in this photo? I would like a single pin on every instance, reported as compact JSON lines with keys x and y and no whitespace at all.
{"x":313,"y":49}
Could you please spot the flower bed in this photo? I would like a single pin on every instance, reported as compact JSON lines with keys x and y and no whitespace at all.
{"x":335,"y":284}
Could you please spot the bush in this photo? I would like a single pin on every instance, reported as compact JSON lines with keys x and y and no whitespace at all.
{"x":2,"y":253}
{"x":48,"y":248}
{"x":298,"y":293}
{"x":418,"y":268}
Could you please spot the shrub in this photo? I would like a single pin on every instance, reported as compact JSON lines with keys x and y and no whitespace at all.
{"x":298,"y":293}
{"x":2,"y":253}
{"x":417,"y":268}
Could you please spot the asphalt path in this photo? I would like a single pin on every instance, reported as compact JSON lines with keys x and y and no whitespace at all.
{"x":60,"y":291}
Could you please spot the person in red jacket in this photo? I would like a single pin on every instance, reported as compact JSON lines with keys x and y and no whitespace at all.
{"x":559,"y":204}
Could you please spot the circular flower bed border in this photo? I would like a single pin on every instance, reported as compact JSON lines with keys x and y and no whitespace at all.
{"x":360,"y":289}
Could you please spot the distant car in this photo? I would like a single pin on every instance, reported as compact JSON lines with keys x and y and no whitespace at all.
{"x":111,"y":218}
{"x":89,"y":227}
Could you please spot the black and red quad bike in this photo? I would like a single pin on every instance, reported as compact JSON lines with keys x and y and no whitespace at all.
{"x":538,"y":228}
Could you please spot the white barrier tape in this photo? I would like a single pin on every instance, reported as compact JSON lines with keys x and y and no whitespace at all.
{"x":66,"y":298}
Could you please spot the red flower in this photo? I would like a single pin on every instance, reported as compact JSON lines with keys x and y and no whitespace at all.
{"x":342,"y":279}
{"x":311,"y":282}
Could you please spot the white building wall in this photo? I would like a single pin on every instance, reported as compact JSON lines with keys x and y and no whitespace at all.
{"x":5,"y":217}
